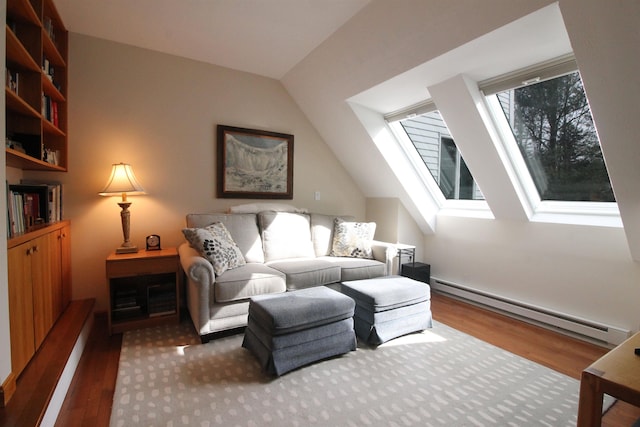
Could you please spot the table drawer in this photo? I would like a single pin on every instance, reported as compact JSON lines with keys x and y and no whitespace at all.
{"x":131,"y":267}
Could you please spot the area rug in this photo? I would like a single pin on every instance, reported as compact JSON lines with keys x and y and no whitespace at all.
{"x":440,"y":377}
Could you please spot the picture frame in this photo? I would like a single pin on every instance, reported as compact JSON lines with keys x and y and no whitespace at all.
{"x":254,"y":164}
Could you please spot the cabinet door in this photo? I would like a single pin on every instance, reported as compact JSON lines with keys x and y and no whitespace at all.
{"x":46,"y":282}
{"x":65,"y":262}
{"x":20,"y":306}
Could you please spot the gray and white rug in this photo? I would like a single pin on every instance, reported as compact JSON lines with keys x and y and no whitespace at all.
{"x":441,"y":377}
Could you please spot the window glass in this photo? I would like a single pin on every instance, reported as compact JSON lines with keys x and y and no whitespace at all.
{"x":433,"y":142}
{"x":553,"y":127}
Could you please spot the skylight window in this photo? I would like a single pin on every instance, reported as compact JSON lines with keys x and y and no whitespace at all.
{"x":554,"y":131}
{"x":432,"y":141}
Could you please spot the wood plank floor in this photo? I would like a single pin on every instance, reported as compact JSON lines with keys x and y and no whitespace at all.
{"x":90,"y":397}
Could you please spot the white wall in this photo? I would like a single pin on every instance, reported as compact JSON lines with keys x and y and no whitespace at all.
{"x":580,"y":270}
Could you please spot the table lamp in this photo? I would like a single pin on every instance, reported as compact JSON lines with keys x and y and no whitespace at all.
{"x":123,"y":182}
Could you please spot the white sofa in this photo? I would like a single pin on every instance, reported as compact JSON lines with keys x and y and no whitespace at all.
{"x":282,"y":251}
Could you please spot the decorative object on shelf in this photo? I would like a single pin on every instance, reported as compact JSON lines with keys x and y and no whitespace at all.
{"x":153,"y":242}
{"x":254,"y":164}
{"x":123,"y":182}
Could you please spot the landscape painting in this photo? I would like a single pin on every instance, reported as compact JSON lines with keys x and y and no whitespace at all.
{"x":254,"y":164}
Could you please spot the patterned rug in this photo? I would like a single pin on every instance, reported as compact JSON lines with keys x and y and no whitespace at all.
{"x":440,"y":377}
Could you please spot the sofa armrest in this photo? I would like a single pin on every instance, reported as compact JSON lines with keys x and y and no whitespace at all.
{"x":199,"y":284}
{"x":195,"y":266}
{"x":386,"y":253}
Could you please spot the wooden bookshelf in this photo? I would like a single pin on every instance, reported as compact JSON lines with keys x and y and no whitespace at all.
{"x":36,"y":86}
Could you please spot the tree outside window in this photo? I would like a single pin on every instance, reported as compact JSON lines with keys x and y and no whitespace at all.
{"x":554,"y":129}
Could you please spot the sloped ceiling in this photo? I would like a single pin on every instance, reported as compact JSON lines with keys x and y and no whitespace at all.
{"x":385,"y":58}
{"x":261,"y":37}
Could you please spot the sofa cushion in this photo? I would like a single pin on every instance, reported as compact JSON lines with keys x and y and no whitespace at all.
{"x":247,"y":281}
{"x":322,"y":232}
{"x":353,"y":239}
{"x":285,"y":235}
{"x":216,"y":245}
{"x":356,"y":268}
{"x":307,"y":272}
{"x":242,"y":227}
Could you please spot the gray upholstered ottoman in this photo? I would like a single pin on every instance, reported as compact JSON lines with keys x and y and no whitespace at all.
{"x":292,"y":329}
{"x":388,"y":307}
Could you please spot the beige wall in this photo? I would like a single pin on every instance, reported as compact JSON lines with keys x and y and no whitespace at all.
{"x":159,"y":113}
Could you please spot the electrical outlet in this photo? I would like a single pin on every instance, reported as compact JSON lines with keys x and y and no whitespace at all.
{"x":316,"y":195}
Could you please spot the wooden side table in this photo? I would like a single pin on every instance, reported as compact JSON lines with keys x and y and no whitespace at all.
{"x":144,"y":289}
{"x":617,"y":374}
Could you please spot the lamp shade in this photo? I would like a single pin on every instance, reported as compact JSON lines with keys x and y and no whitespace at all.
{"x":122,"y":182}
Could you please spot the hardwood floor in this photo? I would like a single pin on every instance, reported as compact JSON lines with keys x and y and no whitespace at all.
{"x":90,"y":396}
{"x":89,"y":400}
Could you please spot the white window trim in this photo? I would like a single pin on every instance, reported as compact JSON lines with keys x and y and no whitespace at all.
{"x":605,"y":214}
{"x":416,"y":161}
{"x":464,"y":208}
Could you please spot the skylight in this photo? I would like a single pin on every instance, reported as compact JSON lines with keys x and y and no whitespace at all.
{"x":434,"y":144}
{"x":554,"y":131}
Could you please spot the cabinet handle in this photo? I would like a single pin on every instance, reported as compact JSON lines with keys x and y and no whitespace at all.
{"x":29,"y":251}
{"x":36,"y":248}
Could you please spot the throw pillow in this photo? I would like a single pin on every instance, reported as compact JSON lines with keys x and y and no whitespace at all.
{"x":216,"y":245}
{"x":353,"y":239}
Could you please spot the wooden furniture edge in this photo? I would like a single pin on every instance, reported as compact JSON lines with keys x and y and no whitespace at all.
{"x":40,"y":231}
{"x":7,"y":389}
{"x":36,"y":384}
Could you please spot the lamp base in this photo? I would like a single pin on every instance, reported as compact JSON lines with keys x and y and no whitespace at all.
{"x":127,"y":250}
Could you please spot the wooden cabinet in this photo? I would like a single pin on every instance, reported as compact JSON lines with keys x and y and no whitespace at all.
{"x":144,"y":289}
{"x":36,"y":86}
{"x":39,"y":260}
{"x":20,"y":307}
{"x":37,"y":287}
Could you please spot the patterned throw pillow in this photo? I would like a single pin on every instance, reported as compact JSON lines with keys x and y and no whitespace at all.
{"x":216,"y":245}
{"x":353,"y":239}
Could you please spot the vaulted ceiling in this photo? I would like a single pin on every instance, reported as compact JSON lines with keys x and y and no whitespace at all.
{"x":261,"y":37}
{"x":391,"y":55}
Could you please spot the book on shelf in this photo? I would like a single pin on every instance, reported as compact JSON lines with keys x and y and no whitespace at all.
{"x":50,"y":109}
{"x":54,"y":198}
{"x":161,"y":299}
{"x":31,"y":205}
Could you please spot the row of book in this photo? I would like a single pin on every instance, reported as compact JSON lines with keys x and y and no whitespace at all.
{"x":31,"y":205}
{"x":161,"y":301}
{"x":50,"y":109}
{"x":125,"y":304}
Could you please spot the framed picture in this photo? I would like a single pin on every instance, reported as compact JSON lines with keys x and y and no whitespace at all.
{"x":254,"y":164}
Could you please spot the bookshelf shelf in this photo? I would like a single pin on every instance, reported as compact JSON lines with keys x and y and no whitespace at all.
{"x":36,"y":86}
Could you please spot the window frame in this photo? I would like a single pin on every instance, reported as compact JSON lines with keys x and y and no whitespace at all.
{"x":567,"y":212}
{"x":467,"y":208}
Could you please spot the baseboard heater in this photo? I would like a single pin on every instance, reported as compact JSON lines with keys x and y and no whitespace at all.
{"x":527,"y":312}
